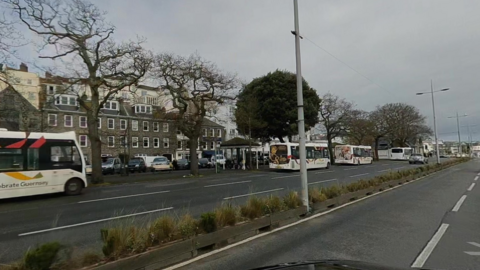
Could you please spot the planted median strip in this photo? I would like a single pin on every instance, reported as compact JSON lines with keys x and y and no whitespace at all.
{"x":170,"y":240}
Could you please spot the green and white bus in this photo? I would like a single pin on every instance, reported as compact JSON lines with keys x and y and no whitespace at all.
{"x":40,"y":163}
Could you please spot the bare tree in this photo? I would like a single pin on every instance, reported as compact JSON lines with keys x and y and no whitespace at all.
{"x":334,"y":115}
{"x":195,"y":86}
{"x":381,"y":125}
{"x":85,"y":54}
{"x":358,"y":127}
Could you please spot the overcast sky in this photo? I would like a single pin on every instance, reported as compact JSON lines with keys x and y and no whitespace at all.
{"x":398,"y":45}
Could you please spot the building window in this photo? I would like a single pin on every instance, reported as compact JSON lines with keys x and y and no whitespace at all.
{"x":179,"y":132}
{"x":111,"y":123}
{"x":52,"y":120}
{"x":165,"y":127}
{"x":123,"y":124}
{"x":125,"y":94}
{"x":204,"y":145}
{"x":156,"y":142}
{"x":232,"y":132}
{"x":211,"y":133}
{"x":134,"y":142}
{"x":187,"y":145}
{"x":219,"y":133}
{"x":135,"y":125}
{"x":65,"y":100}
{"x":111,"y":105}
{"x":156,"y":126}
{"x":68,"y":121}
{"x":232,"y":110}
{"x":99,"y":121}
{"x":123,"y":141}
{"x":144,"y":93}
{"x":111,"y":141}
{"x":29,"y":81}
{"x":82,"y":121}
{"x":146,"y":142}
{"x":51,"y":90}
{"x":179,"y":145}
{"x":83,"y":140}
{"x":212,"y":145}
{"x":145,"y":125}
{"x":143,"y":109}
{"x":31,"y":96}
{"x":166,"y":143}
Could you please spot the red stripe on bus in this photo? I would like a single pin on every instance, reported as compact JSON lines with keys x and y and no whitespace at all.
{"x":17,"y":145}
{"x":38,"y":143}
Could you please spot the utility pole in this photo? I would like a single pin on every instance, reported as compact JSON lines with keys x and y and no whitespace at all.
{"x":458,"y":131}
{"x":301,"y":120}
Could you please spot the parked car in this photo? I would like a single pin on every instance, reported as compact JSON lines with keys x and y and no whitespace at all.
{"x":183,"y":164}
{"x":137,"y":165}
{"x":88,"y":168}
{"x":204,"y":163}
{"x":218,"y":159}
{"x":111,"y":166}
{"x":418,"y":158}
{"x":161,"y":164}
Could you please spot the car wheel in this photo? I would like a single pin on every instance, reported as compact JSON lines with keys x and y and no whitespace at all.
{"x":74,"y":186}
{"x":328,"y":165}
{"x":409,"y":162}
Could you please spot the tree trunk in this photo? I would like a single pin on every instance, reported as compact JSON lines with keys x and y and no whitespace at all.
{"x":193,"y":156}
{"x":330,"y":150}
{"x":281,"y":139}
{"x":377,"y":139}
{"x":96,"y":147}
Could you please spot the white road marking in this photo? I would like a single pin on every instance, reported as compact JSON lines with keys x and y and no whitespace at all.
{"x":323,"y":181}
{"x":324,"y":172}
{"x":476,"y":178}
{"x":471,"y":187}
{"x":94,"y":221}
{"x":350,"y":169}
{"x":473,"y":253}
{"x":459,"y":203}
{"x":384,"y":170}
{"x":288,"y":176}
{"x":249,"y":194}
{"x":422,"y":258}
{"x":123,"y":197}
{"x":225,"y":184}
{"x":286,"y":226}
{"x":478,"y":173}
{"x":356,"y":175}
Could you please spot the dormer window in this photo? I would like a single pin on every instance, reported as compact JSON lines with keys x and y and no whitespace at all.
{"x":111,"y":105}
{"x":143,"y":109}
{"x":65,"y":100}
{"x":50,"y":90}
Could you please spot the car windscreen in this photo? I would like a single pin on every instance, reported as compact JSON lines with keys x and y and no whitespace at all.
{"x":159,"y":160}
{"x":203,"y":160}
{"x":134,"y":161}
{"x":108,"y":161}
{"x":397,"y":150}
{"x":182,"y":161}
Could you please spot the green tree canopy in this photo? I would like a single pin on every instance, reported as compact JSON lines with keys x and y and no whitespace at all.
{"x":275,"y":107}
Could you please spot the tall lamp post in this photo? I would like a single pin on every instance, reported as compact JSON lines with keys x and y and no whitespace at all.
{"x":458,"y":131}
{"x":434,"y":116}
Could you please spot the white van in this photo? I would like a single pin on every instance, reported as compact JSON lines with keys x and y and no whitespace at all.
{"x":219,"y":158}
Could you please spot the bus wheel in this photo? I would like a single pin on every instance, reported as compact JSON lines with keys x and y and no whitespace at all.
{"x":74,"y":186}
{"x":328,"y":165}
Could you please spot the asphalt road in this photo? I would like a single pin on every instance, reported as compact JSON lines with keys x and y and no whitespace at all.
{"x":77,"y":221}
{"x":422,"y":224}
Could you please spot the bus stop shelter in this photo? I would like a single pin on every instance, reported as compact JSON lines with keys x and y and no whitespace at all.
{"x":238,"y":146}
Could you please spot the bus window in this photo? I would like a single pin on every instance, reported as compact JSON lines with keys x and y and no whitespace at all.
{"x":397,"y":150}
{"x":33,"y":159}
{"x":11,"y":160}
{"x":325,"y":153}
{"x":310,"y":152}
{"x":295,"y":152}
{"x":318,"y":154}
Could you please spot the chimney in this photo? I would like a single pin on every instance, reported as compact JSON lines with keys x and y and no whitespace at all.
{"x":23,"y":67}
{"x":48,"y":74}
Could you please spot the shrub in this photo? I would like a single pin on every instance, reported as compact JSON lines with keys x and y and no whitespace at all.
{"x":208,"y":222}
{"x":352,"y":187}
{"x":292,"y":200}
{"x":161,"y":230}
{"x":273,"y":204}
{"x":254,"y":208}
{"x":315,"y":195}
{"x":42,"y":257}
{"x":186,"y":226}
{"x":226,"y":215}
{"x":123,"y":240}
{"x":331,"y":192}
{"x":90,"y":258}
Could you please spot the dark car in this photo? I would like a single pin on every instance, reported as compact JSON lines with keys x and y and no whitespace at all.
{"x":183,"y":164}
{"x":204,"y":163}
{"x":137,"y":165}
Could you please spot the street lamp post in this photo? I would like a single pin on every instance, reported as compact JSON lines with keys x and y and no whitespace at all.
{"x":458,"y":131}
{"x":434,"y":117}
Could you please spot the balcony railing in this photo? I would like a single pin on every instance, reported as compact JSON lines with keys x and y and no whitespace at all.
{"x":147,"y":100}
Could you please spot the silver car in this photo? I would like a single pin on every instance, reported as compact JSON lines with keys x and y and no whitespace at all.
{"x":418,"y":158}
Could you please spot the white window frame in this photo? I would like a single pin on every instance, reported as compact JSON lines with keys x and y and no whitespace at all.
{"x":113,"y":123}
{"x":147,"y":140}
{"x":99,"y":121}
{"x":205,"y":132}
{"x":204,"y":145}
{"x":110,"y":104}
{"x":156,"y":142}
{"x":147,"y":126}
{"x":52,"y":116}
{"x":113,"y":141}
{"x":135,"y":125}
{"x":85,"y":144}
{"x":211,"y":132}
{"x":181,"y":145}
{"x":134,"y":142}
{"x":166,"y":142}
{"x":165,"y":127}
{"x":123,"y":124}
{"x":156,"y":126}
{"x":219,"y":132}
{"x":80,"y":121}
{"x":212,"y":145}
{"x":52,"y":89}
{"x":65,"y":120}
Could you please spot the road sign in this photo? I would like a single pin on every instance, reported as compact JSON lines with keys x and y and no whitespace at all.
{"x":473,"y":253}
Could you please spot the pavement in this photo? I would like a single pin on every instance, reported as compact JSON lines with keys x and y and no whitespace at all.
{"x":76,"y":221}
{"x":432,"y":223}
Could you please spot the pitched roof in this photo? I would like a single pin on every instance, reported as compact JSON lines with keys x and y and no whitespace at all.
{"x":239,"y":142}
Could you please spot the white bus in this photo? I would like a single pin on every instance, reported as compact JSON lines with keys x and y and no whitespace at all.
{"x":400,"y":153}
{"x":40,"y":164}
{"x":286,"y":156}
{"x":353,"y":154}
